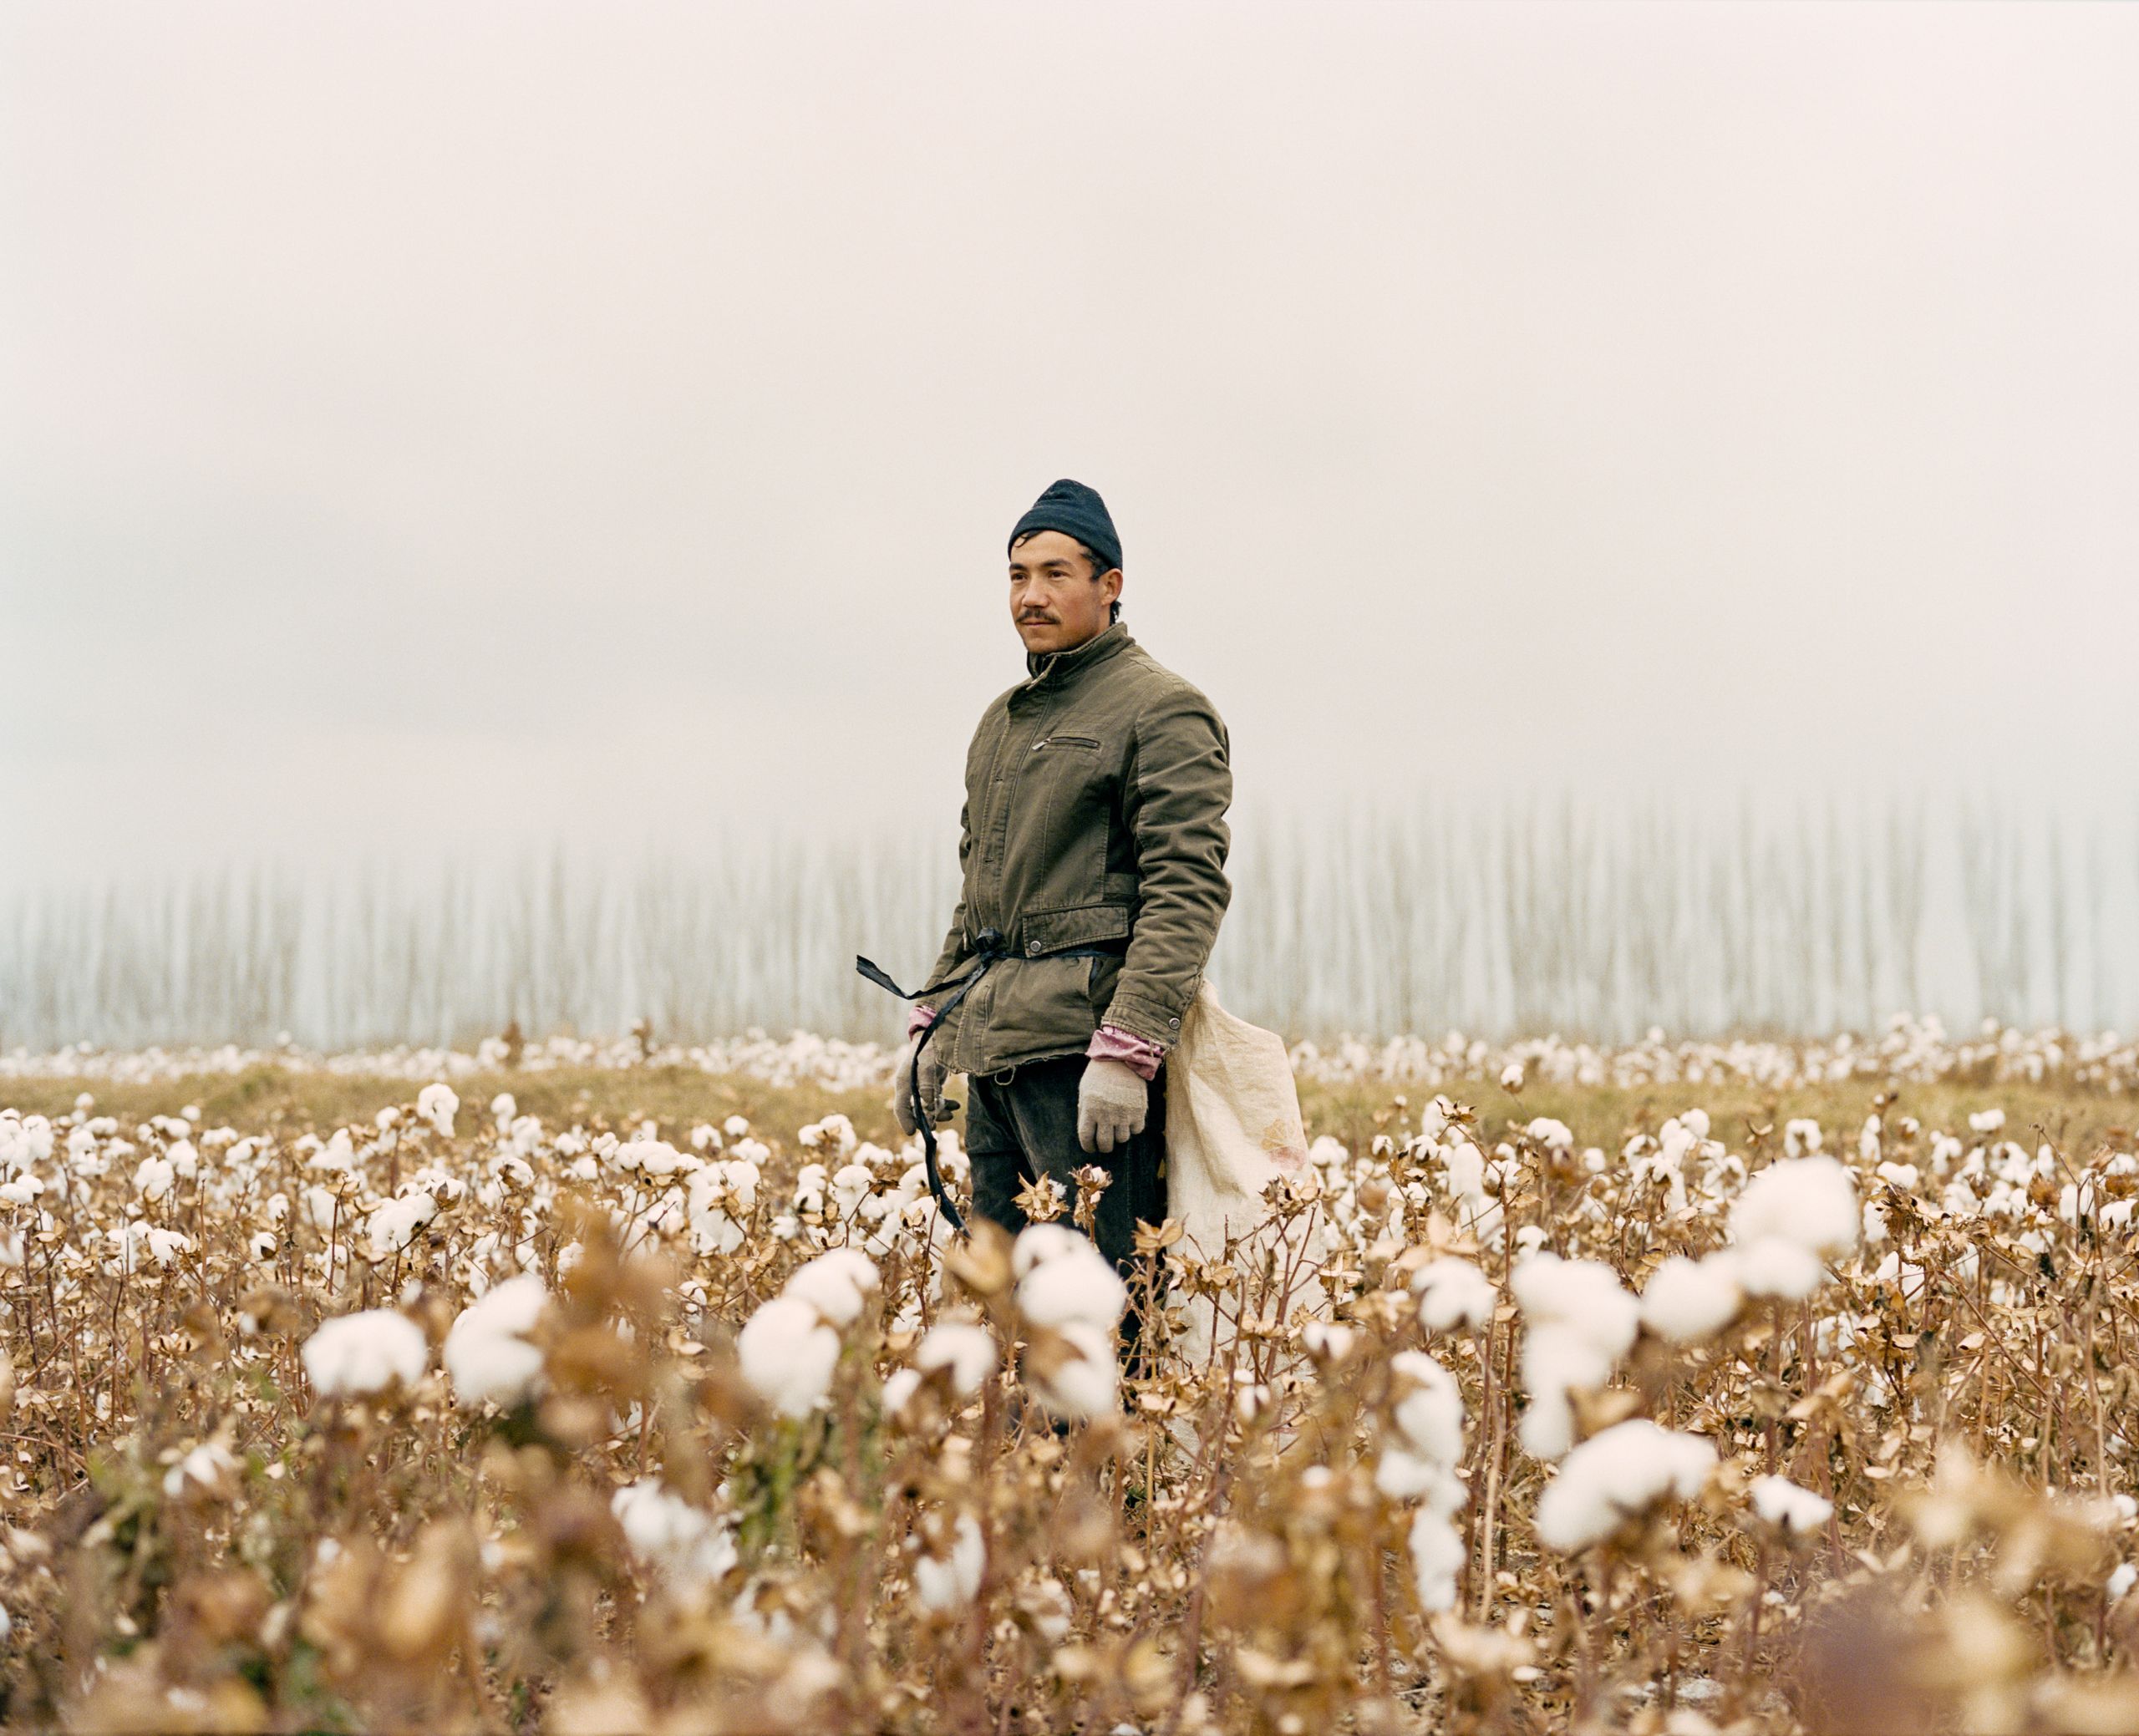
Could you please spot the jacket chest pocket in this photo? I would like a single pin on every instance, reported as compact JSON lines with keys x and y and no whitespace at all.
{"x":1064,"y":792}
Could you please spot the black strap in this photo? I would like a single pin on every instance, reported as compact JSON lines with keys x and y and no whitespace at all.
{"x":989,"y":950}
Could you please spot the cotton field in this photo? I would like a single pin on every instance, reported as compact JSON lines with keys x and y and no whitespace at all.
{"x":569,"y":1387}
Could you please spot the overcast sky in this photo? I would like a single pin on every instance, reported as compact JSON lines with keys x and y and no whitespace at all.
{"x":429,"y":424}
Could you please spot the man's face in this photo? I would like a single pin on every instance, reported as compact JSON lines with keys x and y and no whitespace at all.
{"x":1057,"y":601}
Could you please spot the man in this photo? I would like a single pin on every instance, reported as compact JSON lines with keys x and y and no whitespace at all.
{"x":1093,"y":840}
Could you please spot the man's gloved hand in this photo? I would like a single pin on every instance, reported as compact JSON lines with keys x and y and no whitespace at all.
{"x":931,"y":1087}
{"x":1112,"y":1100}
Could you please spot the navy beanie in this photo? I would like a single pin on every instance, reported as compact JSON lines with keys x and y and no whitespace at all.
{"x":1077,"y":511}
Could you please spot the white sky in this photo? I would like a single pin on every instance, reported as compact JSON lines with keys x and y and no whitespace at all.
{"x":427,"y":424}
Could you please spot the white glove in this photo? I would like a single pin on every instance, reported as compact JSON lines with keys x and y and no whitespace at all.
{"x":1112,"y":1100}
{"x":932,"y":1086}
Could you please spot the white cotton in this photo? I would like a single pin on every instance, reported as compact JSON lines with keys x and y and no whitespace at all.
{"x":1064,"y":1280}
{"x":1553,"y":1134}
{"x":1584,"y":1295}
{"x":1330,"y":1340}
{"x":1811,"y":1201}
{"x":967,"y":1350}
{"x":1454,"y":1293}
{"x":1987,"y":1120}
{"x":1789,"y":1507}
{"x":394,"y":1225}
{"x":688,"y":1547}
{"x":1690,"y":1302}
{"x":487,"y":1354}
{"x":1403,"y":1475}
{"x":152,"y":1179}
{"x":900,"y":1386}
{"x":1430,"y":1413}
{"x":1437,"y":1556}
{"x":1555,"y":1363}
{"x":206,"y":1468}
{"x":438,"y":1104}
{"x":1774,"y":1266}
{"x":2121,"y":1580}
{"x":788,"y":1354}
{"x":1082,"y":1385}
{"x":850,"y":1185}
{"x":356,"y":1355}
{"x":952,"y":1583}
{"x":1466,"y":1169}
{"x":165,"y":1245}
{"x":503,"y":1109}
{"x":836,"y":1285}
{"x":1616,"y":1476}
{"x":650,"y":1157}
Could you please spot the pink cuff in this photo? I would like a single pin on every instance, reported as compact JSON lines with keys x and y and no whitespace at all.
{"x":919,"y":1019}
{"x":1142,"y":1056}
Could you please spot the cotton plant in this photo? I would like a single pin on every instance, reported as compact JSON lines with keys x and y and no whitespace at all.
{"x":365,"y":1354}
{"x":488,"y":1354}
{"x":1066,"y":1287}
{"x":790,"y":1347}
{"x":1579,"y":1321}
{"x":1617,"y":1476}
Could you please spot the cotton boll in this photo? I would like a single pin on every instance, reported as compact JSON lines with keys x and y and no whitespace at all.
{"x":1437,"y":1557}
{"x":1403,"y":1476}
{"x":953,"y":1582}
{"x":1065,"y":1280}
{"x":1811,"y":1201}
{"x":650,"y":1157}
{"x":1776,"y":1266}
{"x":1557,"y":1360}
{"x":2121,"y":1580}
{"x":1616,"y":1476}
{"x":152,"y":1179}
{"x":1688,"y":1301}
{"x":688,"y":1547}
{"x":1328,"y":1341}
{"x":787,"y":1354}
{"x":1454,"y":1293}
{"x":394,"y":1225}
{"x":899,"y":1387}
{"x":1081,"y":1383}
{"x":486,"y":1353}
{"x":850,"y":1185}
{"x":967,"y":1350}
{"x":1788,"y":1507}
{"x":836,"y":1284}
{"x":1584,"y":1295}
{"x":357,"y":1355}
{"x":1430,"y":1415}
{"x":1554,"y":1136}
{"x":438,"y":1104}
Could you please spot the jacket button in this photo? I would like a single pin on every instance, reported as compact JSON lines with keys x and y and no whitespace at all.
{"x":1032,"y":949}
{"x":1173,"y":1021}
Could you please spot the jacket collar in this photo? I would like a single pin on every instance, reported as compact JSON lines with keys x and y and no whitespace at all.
{"x":1097,"y":649}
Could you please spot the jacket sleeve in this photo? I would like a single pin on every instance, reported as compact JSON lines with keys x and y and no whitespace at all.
{"x":954,"y":943}
{"x":1180,"y":785}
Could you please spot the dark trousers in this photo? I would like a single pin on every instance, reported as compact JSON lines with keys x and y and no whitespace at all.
{"x":1022,"y":1127}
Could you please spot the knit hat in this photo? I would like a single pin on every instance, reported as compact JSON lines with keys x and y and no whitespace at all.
{"x":1077,"y":511}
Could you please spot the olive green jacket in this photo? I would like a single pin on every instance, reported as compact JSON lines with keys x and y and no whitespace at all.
{"x":1096,"y":794}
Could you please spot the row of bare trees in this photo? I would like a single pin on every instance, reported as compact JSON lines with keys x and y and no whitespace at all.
{"x":1552,"y":914}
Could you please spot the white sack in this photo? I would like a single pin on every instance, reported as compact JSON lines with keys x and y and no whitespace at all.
{"x":1233,"y":1127}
